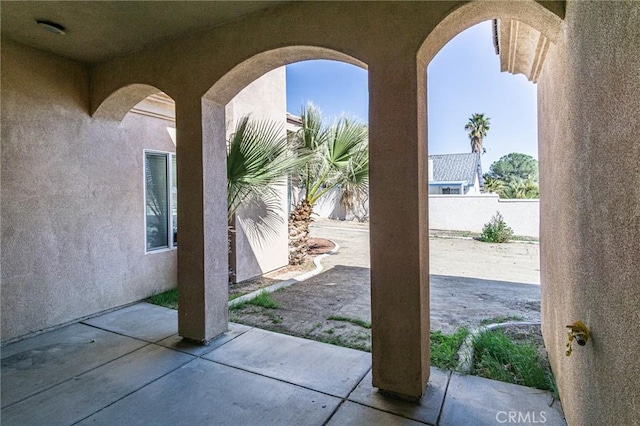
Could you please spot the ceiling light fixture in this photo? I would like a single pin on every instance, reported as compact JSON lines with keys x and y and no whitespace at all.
{"x":52,"y":27}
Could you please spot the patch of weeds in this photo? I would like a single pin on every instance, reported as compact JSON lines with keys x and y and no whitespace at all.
{"x":265,"y":300}
{"x":498,"y":357}
{"x":330,"y":331}
{"x":314,"y":328}
{"x":357,"y":321}
{"x":238,"y":306}
{"x":235,"y":296}
{"x":500,"y":319}
{"x":444,"y":348}
{"x":276,"y":319}
{"x":496,"y":230}
{"x":466,"y":234}
{"x":362,"y":336}
{"x":168,"y":299}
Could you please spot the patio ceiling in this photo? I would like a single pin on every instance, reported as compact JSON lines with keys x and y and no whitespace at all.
{"x":99,"y":31}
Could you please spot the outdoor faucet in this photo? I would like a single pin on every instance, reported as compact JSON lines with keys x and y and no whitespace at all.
{"x":578,"y":332}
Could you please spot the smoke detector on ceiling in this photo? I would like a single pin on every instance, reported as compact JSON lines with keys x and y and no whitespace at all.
{"x":52,"y":27}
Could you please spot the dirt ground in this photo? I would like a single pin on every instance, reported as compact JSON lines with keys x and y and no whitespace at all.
{"x":470,"y":282}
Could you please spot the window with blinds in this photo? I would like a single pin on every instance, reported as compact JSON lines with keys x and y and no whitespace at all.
{"x":161,"y":200}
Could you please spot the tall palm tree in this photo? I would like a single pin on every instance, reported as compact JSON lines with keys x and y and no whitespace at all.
{"x":478,"y":126}
{"x":336,"y":156}
{"x":259,"y":159}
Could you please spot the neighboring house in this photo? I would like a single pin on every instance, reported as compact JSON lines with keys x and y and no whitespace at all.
{"x":459,"y":174}
{"x":294,"y":123}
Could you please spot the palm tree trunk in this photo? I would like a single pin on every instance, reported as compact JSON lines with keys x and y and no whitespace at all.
{"x":299,"y":221}
{"x":231,"y":249}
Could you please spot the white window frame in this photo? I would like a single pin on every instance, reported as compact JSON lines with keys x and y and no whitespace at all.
{"x":172,"y":245}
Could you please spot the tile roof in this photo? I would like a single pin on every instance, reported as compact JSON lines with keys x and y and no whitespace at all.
{"x":456,"y":167}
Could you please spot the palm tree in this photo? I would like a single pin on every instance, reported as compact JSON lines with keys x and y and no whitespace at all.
{"x":259,"y":159}
{"x":478,"y":126}
{"x":519,"y":188}
{"x":492,"y":184}
{"x":336,"y":156}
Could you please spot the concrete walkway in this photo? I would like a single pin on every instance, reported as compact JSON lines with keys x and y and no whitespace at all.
{"x":129,"y":367}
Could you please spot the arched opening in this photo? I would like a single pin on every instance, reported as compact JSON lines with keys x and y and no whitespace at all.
{"x":148,"y":114}
{"x":123,"y":100}
{"x":223,"y":90}
{"x":333,"y":304}
{"x":476,"y":289}
{"x":254,"y":87}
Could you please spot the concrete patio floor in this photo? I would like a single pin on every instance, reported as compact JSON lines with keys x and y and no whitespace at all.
{"x":129,"y":367}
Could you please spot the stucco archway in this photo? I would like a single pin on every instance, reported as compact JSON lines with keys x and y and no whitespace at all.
{"x":472,"y":13}
{"x":202,"y":124}
{"x":223,"y":90}
{"x":121,"y":101}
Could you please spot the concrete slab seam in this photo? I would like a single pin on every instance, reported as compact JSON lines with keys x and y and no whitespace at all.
{"x":214,"y":348}
{"x":391,"y":412}
{"x":319,"y":268}
{"x":346,"y":398}
{"x":377,"y":408}
{"x":444,"y":398}
{"x":148,"y":342}
{"x":73,"y":377}
{"x":136,"y":390}
{"x":275,"y":378}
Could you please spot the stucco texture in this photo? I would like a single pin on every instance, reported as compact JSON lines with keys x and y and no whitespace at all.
{"x":67,"y":202}
{"x":589,"y":111}
{"x":73,"y":240}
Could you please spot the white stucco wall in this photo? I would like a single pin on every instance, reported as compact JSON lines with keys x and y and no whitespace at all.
{"x":471,"y":212}
{"x":459,"y":212}
{"x":257,"y":253}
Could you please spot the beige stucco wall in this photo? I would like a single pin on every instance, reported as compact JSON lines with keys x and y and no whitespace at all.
{"x":589,"y":156}
{"x":257,"y":253}
{"x":589,"y":115}
{"x":72,"y":198}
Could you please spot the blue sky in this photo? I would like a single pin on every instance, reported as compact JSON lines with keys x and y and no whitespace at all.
{"x":464,"y":78}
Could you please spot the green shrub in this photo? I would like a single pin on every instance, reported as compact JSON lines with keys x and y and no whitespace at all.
{"x":444,"y":347}
{"x":496,"y":230}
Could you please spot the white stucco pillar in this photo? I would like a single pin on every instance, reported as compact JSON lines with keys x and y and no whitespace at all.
{"x":399,"y":231}
{"x":202,"y":219}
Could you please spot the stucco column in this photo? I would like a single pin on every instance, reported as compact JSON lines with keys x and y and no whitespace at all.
{"x":399,"y":231}
{"x":202,"y":219}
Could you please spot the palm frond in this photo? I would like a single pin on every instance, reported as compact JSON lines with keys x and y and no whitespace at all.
{"x":258,"y":160}
{"x":345,"y":160}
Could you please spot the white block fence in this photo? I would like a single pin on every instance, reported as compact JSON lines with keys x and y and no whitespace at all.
{"x":460,"y":212}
